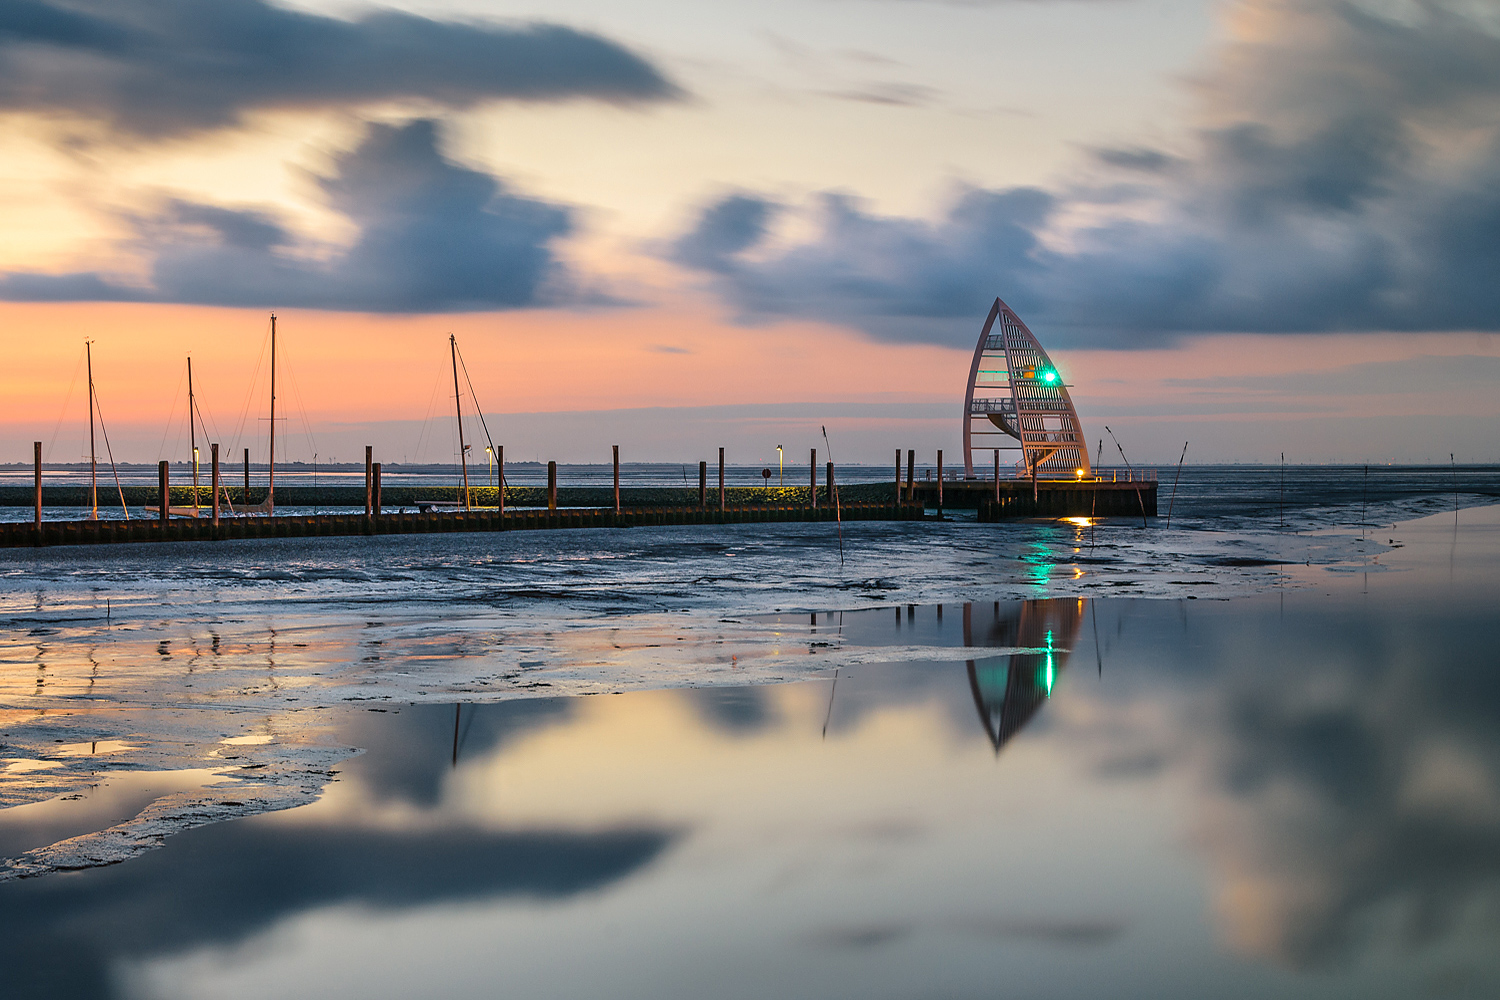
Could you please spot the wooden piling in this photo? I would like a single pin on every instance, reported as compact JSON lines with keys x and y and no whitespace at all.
{"x":369,"y":485}
{"x":246,"y":498}
{"x":898,"y":475}
{"x":911,"y":475}
{"x":940,"y":482}
{"x":830,"y":482}
{"x":213,"y":451}
{"x":165,"y":492}
{"x":703,"y":485}
{"x":812,"y":464}
{"x":551,"y":485}
{"x":617,"y":479}
{"x":500,"y":478}
{"x":997,"y":475}
{"x":375,"y":490}
{"x":37,"y":463}
{"x":721,"y":478}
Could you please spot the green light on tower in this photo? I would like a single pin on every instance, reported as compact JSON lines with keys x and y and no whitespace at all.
{"x":1049,"y":376}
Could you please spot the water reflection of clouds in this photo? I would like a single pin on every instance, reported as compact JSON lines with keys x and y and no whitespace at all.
{"x":67,"y":937}
{"x":1337,"y":760}
{"x":1344,"y":761}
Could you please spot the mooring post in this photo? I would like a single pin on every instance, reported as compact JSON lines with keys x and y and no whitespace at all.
{"x":940,"y":482}
{"x":898,"y":476}
{"x":246,"y":498}
{"x":721,"y":478}
{"x":703,"y":485}
{"x":813,"y":478}
{"x":997,"y":475}
{"x":911,"y":475}
{"x":551,"y":485}
{"x":375,"y":490}
{"x":213,"y":451}
{"x":617,"y":479}
{"x":500,"y":477}
{"x":37,"y":462}
{"x":369,"y":483}
{"x":165,"y":492}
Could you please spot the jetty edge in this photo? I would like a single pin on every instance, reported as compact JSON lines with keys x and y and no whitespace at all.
{"x":1018,"y":500}
{"x":184,"y":529}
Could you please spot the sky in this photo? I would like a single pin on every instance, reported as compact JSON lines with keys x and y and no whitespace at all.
{"x":1257,"y":226}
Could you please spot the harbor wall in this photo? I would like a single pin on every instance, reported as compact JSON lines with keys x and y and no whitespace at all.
{"x":1059,"y":498}
{"x":181,"y":529}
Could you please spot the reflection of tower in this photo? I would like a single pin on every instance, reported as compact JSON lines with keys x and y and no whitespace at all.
{"x":1009,"y":689}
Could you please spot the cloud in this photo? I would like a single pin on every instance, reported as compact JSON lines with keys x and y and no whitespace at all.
{"x":897,"y":279}
{"x":1342,"y":173}
{"x":733,"y":224}
{"x":1434,"y":375}
{"x":160,"y":68}
{"x":901,"y":95}
{"x":433,"y":236}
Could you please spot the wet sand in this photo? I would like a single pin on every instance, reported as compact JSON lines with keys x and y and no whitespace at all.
{"x":1288,"y":793}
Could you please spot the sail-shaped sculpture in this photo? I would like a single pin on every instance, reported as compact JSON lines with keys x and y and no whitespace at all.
{"x":1017,"y":401}
{"x":1009,"y":689}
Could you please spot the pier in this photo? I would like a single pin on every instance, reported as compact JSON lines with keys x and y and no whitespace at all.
{"x":1018,"y":498}
{"x":185,"y":529}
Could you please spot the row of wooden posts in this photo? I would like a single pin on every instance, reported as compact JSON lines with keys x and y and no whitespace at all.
{"x":373,"y":471}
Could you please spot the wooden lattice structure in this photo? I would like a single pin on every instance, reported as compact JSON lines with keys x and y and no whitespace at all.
{"x":1017,"y":401}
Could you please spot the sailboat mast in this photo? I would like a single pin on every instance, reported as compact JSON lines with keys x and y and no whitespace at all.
{"x":271,"y":492}
{"x":192,"y":432}
{"x":88,"y":348}
{"x":463,"y":450}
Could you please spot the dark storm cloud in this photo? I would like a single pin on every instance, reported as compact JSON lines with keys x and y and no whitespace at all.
{"x":433,"y":236}
{"x":1344,"y":175}
{"x":735,"y":223}
{"x":891,"y":277}
{"x":157,"y":68}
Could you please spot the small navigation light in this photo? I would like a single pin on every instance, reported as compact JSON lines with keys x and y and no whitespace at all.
{"x":1078,"y":473}
{"x":1049,"y":376}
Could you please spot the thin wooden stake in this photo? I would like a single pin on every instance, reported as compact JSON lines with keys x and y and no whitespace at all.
{"x":833,"y":492}
{"x":1281,"y":503}
{"x":37,"y":457}
{"x":1131,"y":470}
{"x":1173,"y":502}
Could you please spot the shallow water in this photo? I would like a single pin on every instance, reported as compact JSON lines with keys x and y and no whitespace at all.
{"x":655,"y":763}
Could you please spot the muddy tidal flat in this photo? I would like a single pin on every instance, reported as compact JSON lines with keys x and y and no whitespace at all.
{"x":1073,"y":759}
